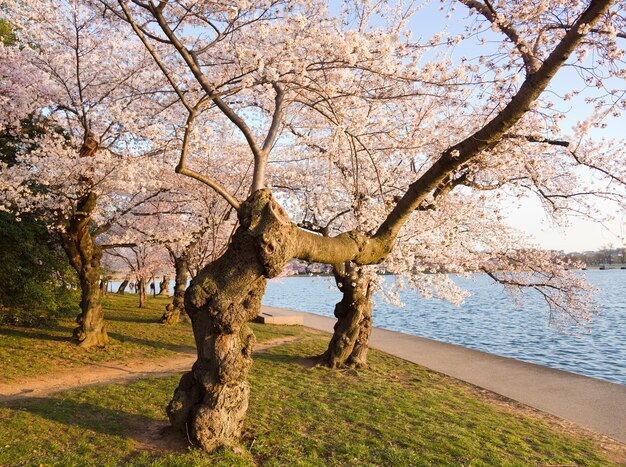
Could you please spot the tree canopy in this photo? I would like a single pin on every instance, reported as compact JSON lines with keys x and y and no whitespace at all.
{"x":342,"y":133}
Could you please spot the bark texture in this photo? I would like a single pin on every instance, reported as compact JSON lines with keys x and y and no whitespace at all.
{"x":350,"y":342}
{"x":211,"y":400}
{"x":175,"y":311}
{"x":84,"y":256}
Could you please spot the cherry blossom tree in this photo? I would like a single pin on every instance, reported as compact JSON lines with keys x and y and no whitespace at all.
{"x":268,"y":67}
{"x":205,"y":245}
{"x":89,"y":167}
{"x":372,"y":174}
{"x":189,"y":226}
{"x":437,"y":239}
{"x":23,"y":86}
{"x":192,"y":223}
{"x":142,"y":261}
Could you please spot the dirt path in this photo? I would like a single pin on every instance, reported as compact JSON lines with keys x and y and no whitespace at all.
{"x":109,"y":372}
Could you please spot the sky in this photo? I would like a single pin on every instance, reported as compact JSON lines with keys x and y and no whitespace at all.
{"x":581,"y":235}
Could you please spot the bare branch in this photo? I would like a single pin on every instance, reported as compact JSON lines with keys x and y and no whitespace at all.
{"x":275,"y":126}
{"x":183,"y":170}
{"x":488,"y":11}
{"x":154,"y":55}
{"x":194,"y":66}
{"x":598,"y":168}
{"x":621,"y":35}
{"x":111,"y":246}
{"x":538,"y":139}
{"x":107,"y":225}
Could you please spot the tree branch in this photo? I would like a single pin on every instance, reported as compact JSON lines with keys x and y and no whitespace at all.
{"x":107,"y":225}
{"x":363,"y":249}
{"x":183,"y":170}
{"x":154,"y":55}
{"x":538,"y":139}
{"x":111,"y":246}
{"x":491,"y":133}
{"x":486,"y":9}
{"x":194,"y":66}
{"x":275,"y":125}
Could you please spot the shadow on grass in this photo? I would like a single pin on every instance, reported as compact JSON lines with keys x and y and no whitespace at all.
{"x":148,"y":431}
{"x":133,"y":319}
{"x":40,"y":334}
{"x":154,"y":344}
{"x":304,"y":361}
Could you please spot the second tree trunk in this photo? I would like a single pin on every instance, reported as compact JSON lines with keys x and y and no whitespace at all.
{"x":175,"y":311}
{"x":350,"y":342}
{"x":84,"y":256}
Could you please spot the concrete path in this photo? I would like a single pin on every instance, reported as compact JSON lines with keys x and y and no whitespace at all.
{"x":589,"y":402}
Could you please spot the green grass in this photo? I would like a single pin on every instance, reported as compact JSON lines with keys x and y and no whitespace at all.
{"x":394,"y":413}
{"x":135,"y":334}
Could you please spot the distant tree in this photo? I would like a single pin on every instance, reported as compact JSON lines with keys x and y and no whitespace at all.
{"x":122,"y":287}
{"x":142,"y":261}
{"x":80,"y":76}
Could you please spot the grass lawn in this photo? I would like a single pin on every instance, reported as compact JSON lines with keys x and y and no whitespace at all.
{"x":393,"y":413}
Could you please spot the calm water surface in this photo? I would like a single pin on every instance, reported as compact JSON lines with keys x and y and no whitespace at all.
{"x":490,"y":321}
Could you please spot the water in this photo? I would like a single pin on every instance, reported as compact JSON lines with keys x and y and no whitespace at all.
{"x":490,"y":321}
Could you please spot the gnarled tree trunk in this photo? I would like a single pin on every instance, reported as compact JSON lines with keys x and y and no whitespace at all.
{"x":122,"y":288}
{"x":164,"y":286}
{"x":350,"y":342}
{"x":84,"y":256}
{"x":175,"y":311}
{"x":211,"y":400}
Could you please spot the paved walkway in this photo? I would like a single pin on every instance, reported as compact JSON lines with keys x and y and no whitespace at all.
{"x":589,"y":402}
